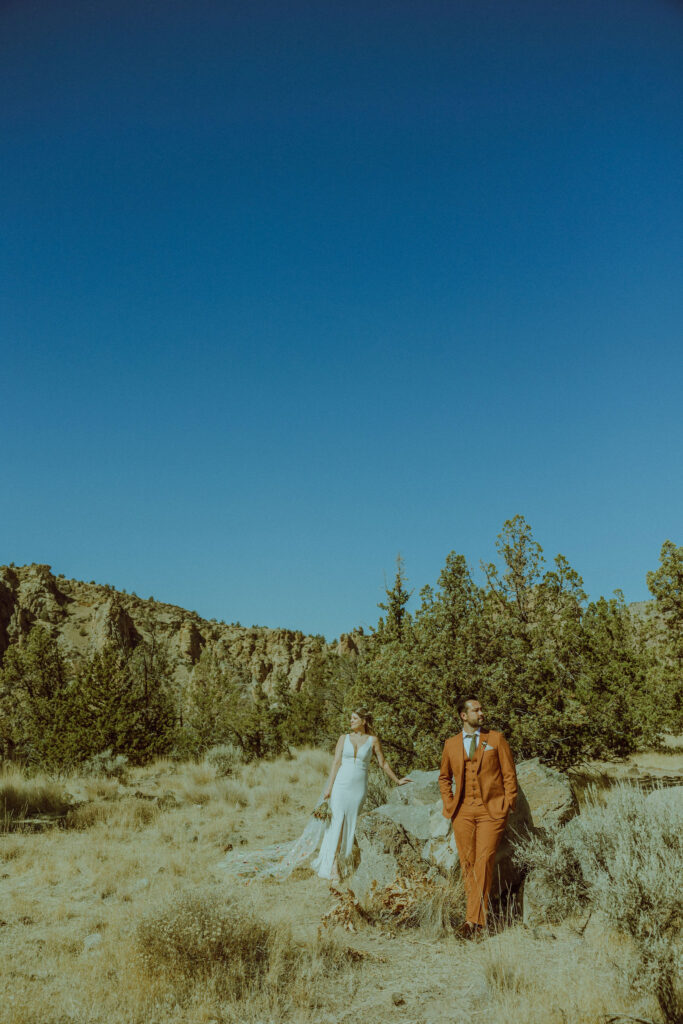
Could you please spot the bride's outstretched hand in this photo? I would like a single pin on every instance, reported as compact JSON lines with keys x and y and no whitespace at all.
{"x":402,"y":782}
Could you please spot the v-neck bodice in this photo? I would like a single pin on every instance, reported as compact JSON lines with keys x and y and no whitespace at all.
{"x":360,"y":755}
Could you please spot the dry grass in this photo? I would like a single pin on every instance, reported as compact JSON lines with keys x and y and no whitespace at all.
{"x":38,"y":794}
{"x":556,"y":978}
{"x":622,"y":859}
{"x":661,"y":760}
{"x":203,"y":773}
{"x":101,"y":789}
{"x":235,"y":794}
{"x":121,"y":919}
{"x":193,"y":937}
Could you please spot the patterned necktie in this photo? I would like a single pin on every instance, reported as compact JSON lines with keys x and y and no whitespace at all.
{"x":473,"y":747}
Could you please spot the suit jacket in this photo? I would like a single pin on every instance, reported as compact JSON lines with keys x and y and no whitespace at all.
{"x":495,"y":772}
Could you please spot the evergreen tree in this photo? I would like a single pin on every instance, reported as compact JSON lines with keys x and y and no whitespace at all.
{"x":562,"y":680}
{"x":125,"y":701}
{"x":666,"y":677}
{"x":217,"y":702}
{"x":36,"y":702}
{"x":397,"y":615}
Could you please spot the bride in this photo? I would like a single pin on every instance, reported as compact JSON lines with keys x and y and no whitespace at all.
{"x":346,"y":790}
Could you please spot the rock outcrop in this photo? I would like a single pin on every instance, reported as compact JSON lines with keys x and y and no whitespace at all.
{"x":410,"y":830}
{"x":86,"y":616}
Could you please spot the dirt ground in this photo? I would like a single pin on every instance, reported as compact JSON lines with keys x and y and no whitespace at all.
{"x":71,"y":900}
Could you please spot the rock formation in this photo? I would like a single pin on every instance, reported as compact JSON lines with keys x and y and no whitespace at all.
{"x":85,"y":616}
{"x":410,"y":829}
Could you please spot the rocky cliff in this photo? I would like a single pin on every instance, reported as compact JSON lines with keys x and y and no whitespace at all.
{"x":84,"y":616}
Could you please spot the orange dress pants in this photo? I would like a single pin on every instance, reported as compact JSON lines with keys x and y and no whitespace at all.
{"x":477,"y":836}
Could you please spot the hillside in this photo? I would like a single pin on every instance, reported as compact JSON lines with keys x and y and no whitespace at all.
{"x":84,"y":616}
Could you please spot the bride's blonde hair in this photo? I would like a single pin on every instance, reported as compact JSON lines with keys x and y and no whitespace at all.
{"x":366,"y":716}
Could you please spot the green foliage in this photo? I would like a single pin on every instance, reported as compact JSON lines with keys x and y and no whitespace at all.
{"x":216,"y":702}
{"x":317,"y":708}
{"x":125,"y":702}
{"x":666,"y":584}
{"x":397,"y":616}
{"x":224,"y":706}
{"x":36,"y":702}
{"x":53,"y":716}
{"x":564,"y":679}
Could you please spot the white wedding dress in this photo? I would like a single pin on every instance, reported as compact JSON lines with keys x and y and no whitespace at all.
{"x":335,"y":858}
{"x":348,"y":793}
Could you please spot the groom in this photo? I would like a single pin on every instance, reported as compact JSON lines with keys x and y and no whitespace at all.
{"x":478,"y":786}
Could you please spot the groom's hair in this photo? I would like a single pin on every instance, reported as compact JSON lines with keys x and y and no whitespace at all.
{"x":463,"y":702}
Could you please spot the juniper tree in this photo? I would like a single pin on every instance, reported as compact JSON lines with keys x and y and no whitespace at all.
{"x":36,"y":701}
{"x":666,"y":585}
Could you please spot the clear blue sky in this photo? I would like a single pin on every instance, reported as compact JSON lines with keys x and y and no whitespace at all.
{"x":287,"y":288}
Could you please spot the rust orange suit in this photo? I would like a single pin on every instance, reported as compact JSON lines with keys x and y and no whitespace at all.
{"x":478,"y":796}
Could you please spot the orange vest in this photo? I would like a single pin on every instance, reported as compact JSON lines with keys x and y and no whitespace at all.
{"x":471,"y":789}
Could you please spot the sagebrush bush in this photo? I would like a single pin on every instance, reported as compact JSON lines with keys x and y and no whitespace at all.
{"x":622,"y":857}
{"x":106,"y":764}
{"x":195,"y":935}
{"x":226,"y":758}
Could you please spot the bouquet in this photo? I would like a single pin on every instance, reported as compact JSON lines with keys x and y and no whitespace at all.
{"x":322,"y":812}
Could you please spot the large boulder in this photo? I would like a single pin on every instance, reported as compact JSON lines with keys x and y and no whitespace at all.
{"x":410,"y":830}
{"x":547,"y":794}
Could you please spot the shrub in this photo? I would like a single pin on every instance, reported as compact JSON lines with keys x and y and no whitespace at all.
{"x":624,"y":858}
{"x":88,"y":815}
{"x":194,"y":937}
{"x":235,"y":794}
{"x":426,"y":901}
{"x":25,"y":796}
{"x":414,"y":899}
{"x":107,"y":765}
{"x":225,"y":758}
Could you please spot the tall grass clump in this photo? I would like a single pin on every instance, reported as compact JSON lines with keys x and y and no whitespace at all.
{"x":623,"y":858}
{"x":23,"y":796}
{"x":195,"y":936}
{"x":198,"y":943}
{"x":315,"y":759}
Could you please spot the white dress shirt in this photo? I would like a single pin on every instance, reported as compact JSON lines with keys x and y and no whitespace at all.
{"x":467,"y":739}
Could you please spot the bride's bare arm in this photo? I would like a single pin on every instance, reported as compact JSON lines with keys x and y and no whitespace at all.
{"x":384,"y":764}
{"x":335,"y":767}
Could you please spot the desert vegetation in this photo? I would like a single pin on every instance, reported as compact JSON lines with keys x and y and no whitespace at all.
{"x":123,"y":786}
{"x":620,"y":860}
{"x":566,"y":679}
{"x":118,"y":912}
